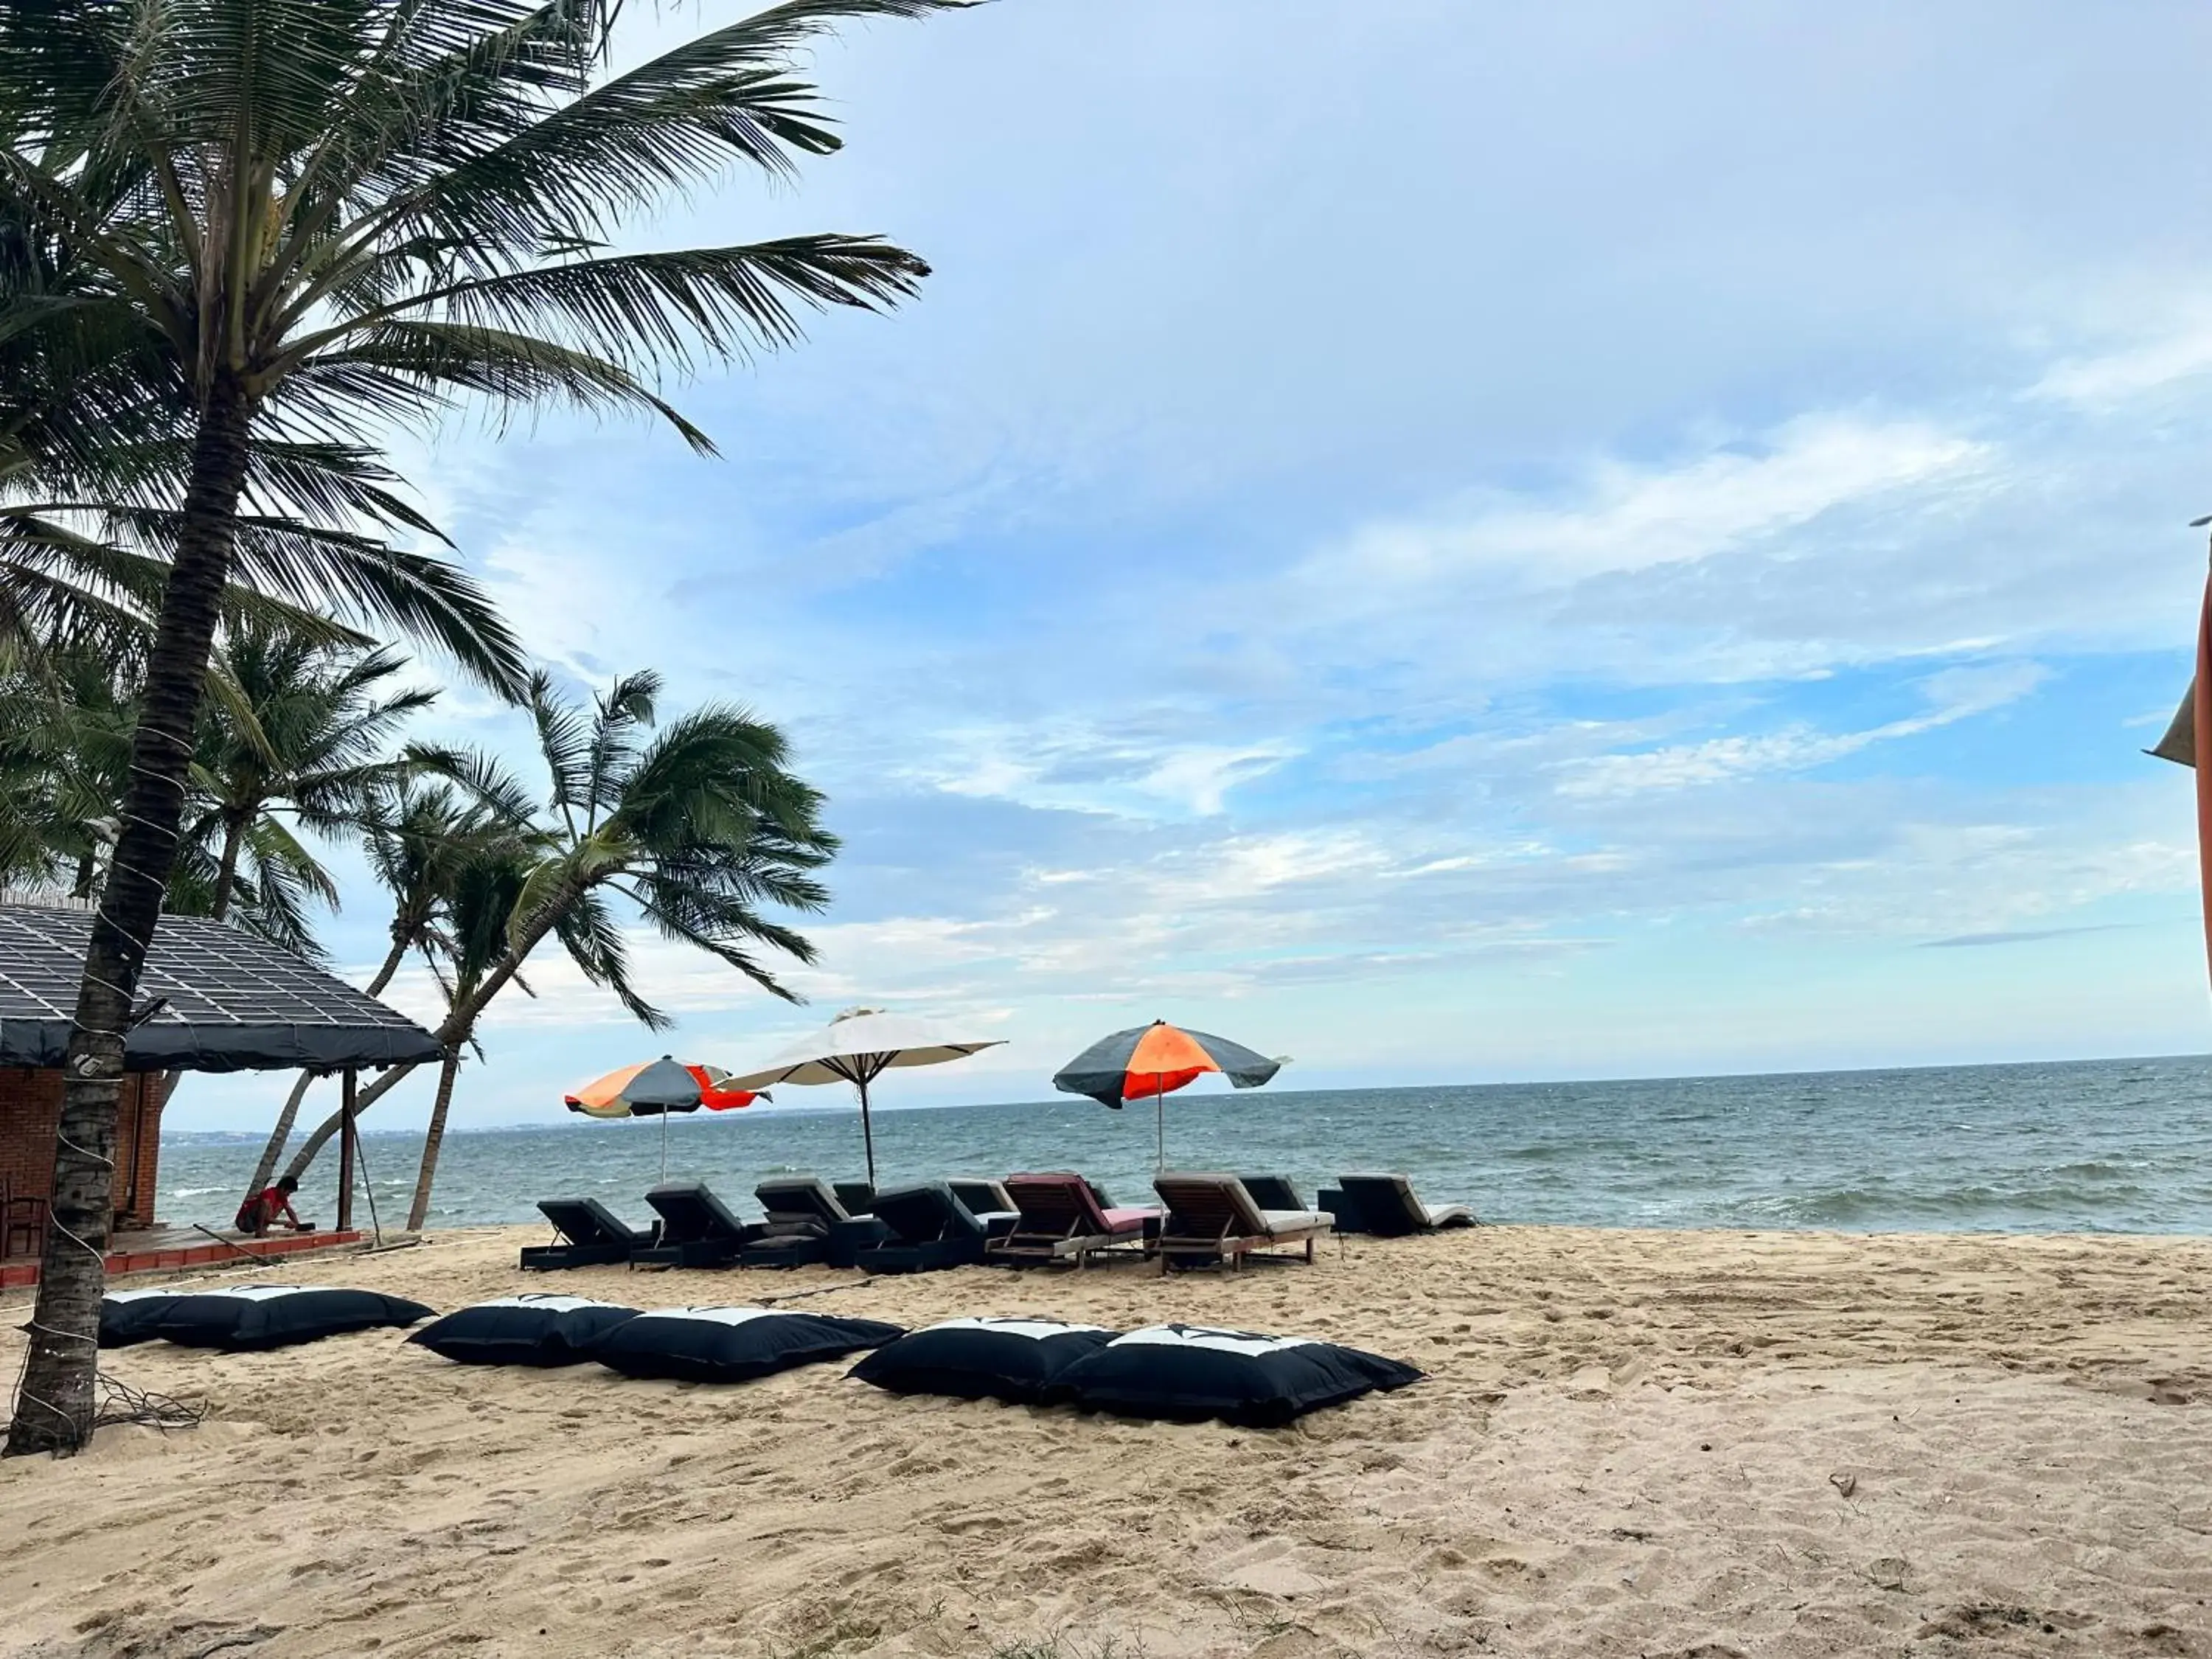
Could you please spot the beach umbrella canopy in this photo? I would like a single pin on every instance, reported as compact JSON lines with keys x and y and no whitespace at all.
{"x":859,"y":1045}
{"x":1154,"y":1060}
{"x":654,"y":1088}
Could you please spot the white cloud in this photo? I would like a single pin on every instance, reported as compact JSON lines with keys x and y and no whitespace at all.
{"x":1625,"y":518}
{"x":1075,"y":767}
{"x":1955,"y":695}
{"x":2107,"y":380}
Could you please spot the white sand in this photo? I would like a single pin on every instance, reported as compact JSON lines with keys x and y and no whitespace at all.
{"x":1631,"y":1444}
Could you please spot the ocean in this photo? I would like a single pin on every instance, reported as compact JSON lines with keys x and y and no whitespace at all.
{"x":2102,"y":1146}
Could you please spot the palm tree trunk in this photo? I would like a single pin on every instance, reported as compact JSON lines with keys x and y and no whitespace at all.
{"x":458,"y":1028}
{"x":55,"y":1402}
{"x":446,"y":1073}
{"x":226,"y":874}
{"x":264,"y":1170}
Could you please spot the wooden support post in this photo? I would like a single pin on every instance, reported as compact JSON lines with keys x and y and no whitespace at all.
{"x":346,"y":1149}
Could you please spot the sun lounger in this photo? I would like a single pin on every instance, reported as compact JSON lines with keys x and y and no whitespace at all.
{"x":1272,"y":1192}
{"x":696,"y":1229}
{"x":1062,"y":1220}
{"x":1386,"y":1204}
{"x":803,"y":1213}
{"x":591,"y":1235}
{"x":1214,"y":1217}
{"x":929,"y":1228}
{"x":988,"y":1201}
{"x":857,"y":1197}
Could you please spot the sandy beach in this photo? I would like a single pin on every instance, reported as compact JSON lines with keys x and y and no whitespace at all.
{"x":1630,"y":1443}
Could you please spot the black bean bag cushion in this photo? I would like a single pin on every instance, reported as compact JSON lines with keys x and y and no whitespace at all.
{"x":731,"y":1345}
{"x":255,"y":1316}
{"x":534,"y":1328}
{"x":1016,"y":1360}
{"x":1187,"y":1373}
{"x":128,"y":1317}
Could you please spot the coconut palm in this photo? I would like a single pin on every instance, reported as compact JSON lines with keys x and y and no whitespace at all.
{"x":95,"y":451}
{"x":65,"y":755}
{"x":297,"y":221}
{"x":319,"y":748}
{"x":423,"y":839}
{"x":695,"y":829}
{"x":481,"y":912}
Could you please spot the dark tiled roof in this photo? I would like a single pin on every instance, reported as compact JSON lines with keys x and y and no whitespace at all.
{"x":235,"y":1003}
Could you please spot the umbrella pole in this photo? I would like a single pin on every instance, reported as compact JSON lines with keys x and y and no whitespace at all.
{"x":1160,"y":1120}
{"x":663,"y":1145}
{"x":867,"y":1137}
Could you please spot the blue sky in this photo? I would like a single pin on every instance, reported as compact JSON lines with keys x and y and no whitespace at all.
{"x":1456,"y":543}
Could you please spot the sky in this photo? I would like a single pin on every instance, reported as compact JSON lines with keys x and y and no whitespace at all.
{"x":1456,"y":543}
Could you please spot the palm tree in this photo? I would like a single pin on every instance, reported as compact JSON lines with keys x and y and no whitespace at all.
{"x":301,"y":222}
{"x":694,"y":828}
{"x":65,"y":755}
{"x":482,"y":910}
{"x":422,"y":840}
{"x":318,"y":746}
{"x":95,"y":450}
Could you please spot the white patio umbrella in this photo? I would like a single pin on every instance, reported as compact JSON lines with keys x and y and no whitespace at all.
{"x":858,"y":1047}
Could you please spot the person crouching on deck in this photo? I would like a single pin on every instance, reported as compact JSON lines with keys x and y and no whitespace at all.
{"x":260,"y":1213}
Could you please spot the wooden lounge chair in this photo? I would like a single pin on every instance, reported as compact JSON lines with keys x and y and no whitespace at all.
{"x":696,"y":1229}
{"x":929,"y":1228}
{"x":1062,"y":1220}
{"x":1214,"y":1217}
{"x":1386,"y":1204}
{"x":591,"y":1235}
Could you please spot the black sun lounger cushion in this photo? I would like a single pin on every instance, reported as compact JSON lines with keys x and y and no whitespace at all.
{"x":530,"y":1329}
{"x":731,"y":1345}
{"x":279,"y":1315}
{"x":1387,"y":1204}
{"x":592,"y":1236}
{"x":697,"y":1230}
{"x":1274,"y":1193}
{"x":1187,"y":1373}
{"x":1016,"y":1360}
{"x":128,"y":1317}
{"x":928,"y":1229}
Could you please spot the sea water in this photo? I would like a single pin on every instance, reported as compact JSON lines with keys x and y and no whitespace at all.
{"x":2107,"y":1145}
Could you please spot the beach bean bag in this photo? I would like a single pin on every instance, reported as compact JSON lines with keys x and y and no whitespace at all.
{"x":1016,"y":1360}
{"x":257,"y":1317}
{"x":531,"y":1330}
{"x":731,"y":1345}
{"x":128,"y":1317}
{"x":1186,"y":1373}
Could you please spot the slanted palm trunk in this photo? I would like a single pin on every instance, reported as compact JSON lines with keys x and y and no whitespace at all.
{"x":264,"y":1170}
{"x":55,"y":1403}
{"x":459,"y":1029}
{"x":421,"y":1209}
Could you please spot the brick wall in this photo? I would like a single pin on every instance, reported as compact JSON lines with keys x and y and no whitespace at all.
{"x":30,"y":1106}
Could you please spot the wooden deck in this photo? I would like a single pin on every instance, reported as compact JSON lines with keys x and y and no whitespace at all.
{"x":165,"y":1249}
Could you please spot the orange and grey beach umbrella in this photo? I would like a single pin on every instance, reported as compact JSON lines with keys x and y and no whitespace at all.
{"x":654,"y":1088}
{"x":1154,"y":1060}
